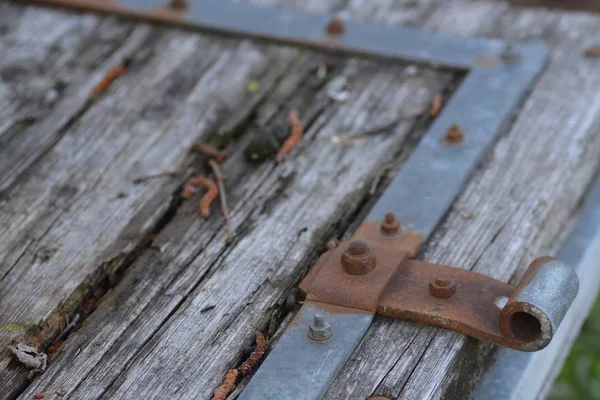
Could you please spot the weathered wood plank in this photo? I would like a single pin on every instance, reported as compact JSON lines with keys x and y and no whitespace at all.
{"x":71,"y":222}
{"x":50,"y":61}
{"x":165,"y":293}
{"x":511,"y":212}
{"x":151,"y":336}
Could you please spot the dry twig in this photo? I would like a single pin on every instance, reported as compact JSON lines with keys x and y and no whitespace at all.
{"x":294,"y":138}
{"x":210,"y":151}
{"x":224,"y":209}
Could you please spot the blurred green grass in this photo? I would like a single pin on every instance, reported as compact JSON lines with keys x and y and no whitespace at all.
{"x":580,"y":376}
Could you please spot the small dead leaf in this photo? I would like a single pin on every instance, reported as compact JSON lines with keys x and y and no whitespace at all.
{"x":29,"y":356}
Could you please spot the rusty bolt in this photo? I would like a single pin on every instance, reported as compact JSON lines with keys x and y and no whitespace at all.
{"x":358,"y":259}
{"x":332,"y":244}
{"x":442,"y":288}
{"x":335,"y":26}
{"x":320,"y":329}
{"x":178,"y":4}
{"x":454,"y":134}
{"x":390,"y":224}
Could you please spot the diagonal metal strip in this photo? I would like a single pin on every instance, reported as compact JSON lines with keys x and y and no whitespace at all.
{"x":300,"y":368}
{"x":436,"y":170}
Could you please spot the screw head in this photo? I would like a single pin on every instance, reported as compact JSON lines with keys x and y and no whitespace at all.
{"x":390,"y":224}
{"x":320,"y":329}
{"x":357,"y":259}
{"x":442,"y":288}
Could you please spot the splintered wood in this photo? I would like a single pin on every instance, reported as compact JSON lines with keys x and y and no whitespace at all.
{"x":296,"y":129}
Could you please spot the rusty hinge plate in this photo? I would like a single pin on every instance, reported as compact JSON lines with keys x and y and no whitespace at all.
{"x":522,"y":317}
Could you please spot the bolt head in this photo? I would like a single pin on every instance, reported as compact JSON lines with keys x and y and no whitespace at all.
{"x":335,"y":26}
{"x":320,"y":329}
{"x":358,"y":259}
{"x":442,"y":288}
{"x":390,"y":224}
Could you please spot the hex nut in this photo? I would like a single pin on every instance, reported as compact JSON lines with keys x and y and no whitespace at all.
{"x":442,"y":288}
{"x":358,"y":259}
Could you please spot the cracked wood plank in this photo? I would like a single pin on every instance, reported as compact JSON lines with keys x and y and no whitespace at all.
{"x":71,"y":222}
{"x":186,"y":308}
{"x":51,"y":61}
{"x":516,"y":206}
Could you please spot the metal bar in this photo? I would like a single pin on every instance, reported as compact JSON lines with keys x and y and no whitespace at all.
{"x":300,"y":28}
{"x":517,"y":375}
{"x":302,"y":368}
{"x":436,"y":170}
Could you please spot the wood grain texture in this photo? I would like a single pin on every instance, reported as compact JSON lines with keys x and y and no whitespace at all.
{"x":165,"y":302}
{"x":50,"y":62}
{"x":512,"y":211}
{"x":156,"y":334}
{"x":74,"y":218}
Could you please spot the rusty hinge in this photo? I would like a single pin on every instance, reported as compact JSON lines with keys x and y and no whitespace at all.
{"x":374,"y":272}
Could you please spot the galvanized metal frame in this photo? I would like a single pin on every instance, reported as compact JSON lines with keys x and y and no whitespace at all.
{"x":498,"y":77}
{"x":522,"y":376}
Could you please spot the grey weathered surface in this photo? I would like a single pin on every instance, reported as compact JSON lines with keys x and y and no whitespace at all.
{"x":511,"y":212}
{"x":154,"y":334}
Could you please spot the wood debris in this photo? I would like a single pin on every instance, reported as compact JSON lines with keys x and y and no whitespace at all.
{"x":30,"y":356}
{"x":436,"y":105}
{"x":296,"y":129}
{"x":259,"y":351}
{"x":593,"y":52}
{"x":111,"y":75}
{"x":224,"y":208}
{"x":192,"y":186}
{"x":39,"y":396}
{"x":454,"y":134}
{"x":227,"y":386}
{"x":210,"y":151}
